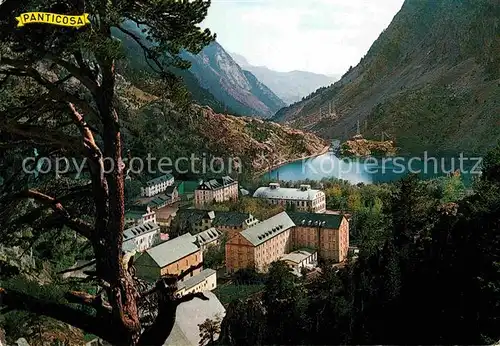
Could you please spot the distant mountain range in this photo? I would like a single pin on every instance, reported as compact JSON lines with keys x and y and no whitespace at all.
{"x":289,"y":86}
{"x":431,"y":81}
{"x":239,"y":90}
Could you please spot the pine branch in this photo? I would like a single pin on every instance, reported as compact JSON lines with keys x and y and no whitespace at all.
{"x":22,"y":69}
{"x":148,"y":54}
{"x":47,"y":136}
{"x":88,"y":136}
{"x":76,"y":224}
{"x":159,"y":331}
{"x":69,"y":270}
{"x":15,"y":300}
{"x":77,"y":72}
{"x":191,"y":296}
{"x":87,"y":299}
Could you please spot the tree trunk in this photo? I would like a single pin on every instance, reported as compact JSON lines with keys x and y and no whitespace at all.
{"x":122,"y":294}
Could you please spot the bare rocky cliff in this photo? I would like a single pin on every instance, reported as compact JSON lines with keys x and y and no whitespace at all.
{"x":262,"y":143}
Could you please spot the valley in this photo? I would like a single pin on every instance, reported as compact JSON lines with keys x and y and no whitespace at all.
{"x":157,"y":188}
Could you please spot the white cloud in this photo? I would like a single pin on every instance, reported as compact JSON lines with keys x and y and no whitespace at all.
{"x":324,"y":36}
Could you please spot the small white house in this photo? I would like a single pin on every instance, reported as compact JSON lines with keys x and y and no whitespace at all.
{"x":354,"y":251}
{"x":157,"y":185}
{"x":206,"y":280}
{"x":301,"y":259}
{"x":140,"y":238}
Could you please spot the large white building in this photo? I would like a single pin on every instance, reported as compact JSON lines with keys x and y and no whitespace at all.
{"x":303,"y":198}
{"x":157,"y":185}
{"x":140,"y":238}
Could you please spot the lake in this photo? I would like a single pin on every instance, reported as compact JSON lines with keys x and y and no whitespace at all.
{"x":376,"y":170}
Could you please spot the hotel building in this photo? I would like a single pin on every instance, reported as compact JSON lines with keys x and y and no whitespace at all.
{"x":216,"y":190}
{"x":210,"y":237}
{"x":171,"y":257}
{"x":229,"y":222}
{"x":260,"y":245}
{"x":301,"y":259}
{"x":328,"y":233}
{"x":175,"y":257}
{"x":206,"y":280}
{"x":270,"y":240}
{"x":139,"y":215}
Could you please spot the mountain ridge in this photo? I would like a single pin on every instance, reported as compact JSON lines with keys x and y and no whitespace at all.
{"x":437,"y":63}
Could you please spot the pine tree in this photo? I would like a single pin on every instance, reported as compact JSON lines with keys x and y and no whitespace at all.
{"x":59,"y":95}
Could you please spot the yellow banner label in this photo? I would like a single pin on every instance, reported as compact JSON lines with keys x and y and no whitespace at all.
{"x":53,"y":18}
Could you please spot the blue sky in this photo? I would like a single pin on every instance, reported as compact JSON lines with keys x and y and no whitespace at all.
{"x":322,"y":36}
